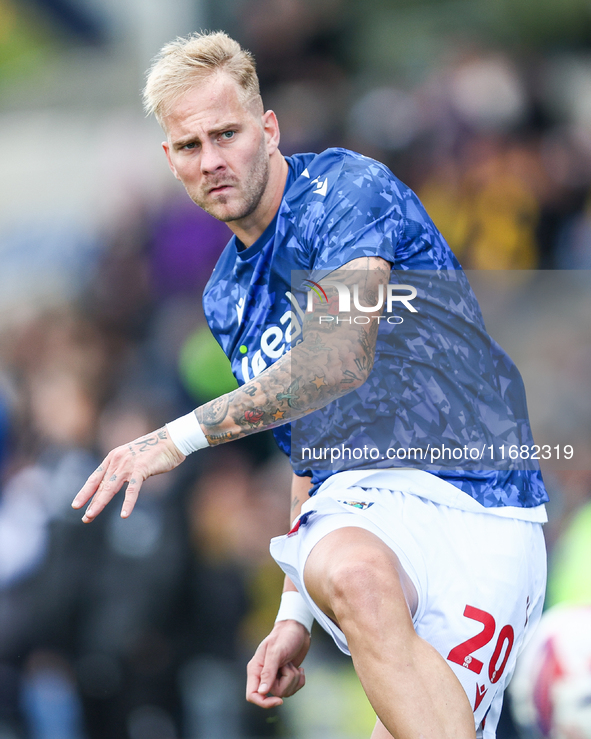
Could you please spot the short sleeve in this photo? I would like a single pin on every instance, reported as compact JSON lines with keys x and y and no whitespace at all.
{"x":359,"y":216}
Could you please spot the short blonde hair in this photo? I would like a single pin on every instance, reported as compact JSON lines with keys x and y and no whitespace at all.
{"x":186,"y":60}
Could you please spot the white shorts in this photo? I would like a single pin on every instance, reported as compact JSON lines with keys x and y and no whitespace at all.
{"x":480,"y":579}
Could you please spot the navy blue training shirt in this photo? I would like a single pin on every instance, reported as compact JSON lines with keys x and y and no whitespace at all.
{"x":442,"y":396}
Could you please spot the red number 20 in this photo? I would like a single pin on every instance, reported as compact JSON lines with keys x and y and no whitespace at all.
{"x":462,"y":654}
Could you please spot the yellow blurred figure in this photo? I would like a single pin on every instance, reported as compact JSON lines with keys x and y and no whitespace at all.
{"x":489,"y":211}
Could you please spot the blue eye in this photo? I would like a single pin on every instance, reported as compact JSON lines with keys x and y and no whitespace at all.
{"x":228,"y":135}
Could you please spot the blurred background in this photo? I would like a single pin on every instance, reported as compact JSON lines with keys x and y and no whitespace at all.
{"x":141,"y":629}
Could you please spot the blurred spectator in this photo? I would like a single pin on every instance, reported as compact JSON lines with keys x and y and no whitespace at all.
{"x":486,"y":206}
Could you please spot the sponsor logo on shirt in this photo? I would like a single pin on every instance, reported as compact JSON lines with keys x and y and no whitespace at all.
{"x":240,"y":309}
{"x":275,"y":340}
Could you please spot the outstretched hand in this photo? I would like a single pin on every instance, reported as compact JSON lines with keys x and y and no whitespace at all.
{"x":274,"y":672}
{"x":131,"y":463}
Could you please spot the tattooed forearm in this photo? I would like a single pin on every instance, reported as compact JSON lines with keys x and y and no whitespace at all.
{"x":219,"y":438}
{"x":318,"y":382}
{"x":291,"y":396}
{"x":333,"y":358}
{"x":349,"y":377}
{"x":214,"y":412}
{"x":253,"y":416}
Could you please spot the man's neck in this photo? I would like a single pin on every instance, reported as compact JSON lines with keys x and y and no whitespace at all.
{"x":248,"y":229}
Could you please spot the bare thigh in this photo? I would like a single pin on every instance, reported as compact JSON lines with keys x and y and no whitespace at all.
{"x":352,"y":554}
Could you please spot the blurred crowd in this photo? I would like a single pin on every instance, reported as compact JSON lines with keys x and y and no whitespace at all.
{"x":140,"y":629}
{"x":106,"y":630}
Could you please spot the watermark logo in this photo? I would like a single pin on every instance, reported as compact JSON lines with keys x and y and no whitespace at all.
{"x":388,"y":296}
{"x":316,"y":288}
{"x":389,"y":293}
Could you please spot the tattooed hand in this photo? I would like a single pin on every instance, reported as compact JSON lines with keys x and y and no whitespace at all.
{"x":131,"y":463}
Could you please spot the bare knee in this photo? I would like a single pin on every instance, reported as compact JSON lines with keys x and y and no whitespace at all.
{"x":355,"y":578}
{"x":362,"y":585}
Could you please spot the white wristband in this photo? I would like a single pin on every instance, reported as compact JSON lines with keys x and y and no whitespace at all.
{"x":293,"y":608}
{"x":187,"y":434}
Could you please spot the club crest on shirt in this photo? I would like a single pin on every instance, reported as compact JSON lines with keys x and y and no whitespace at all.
{"x":357,"y":504}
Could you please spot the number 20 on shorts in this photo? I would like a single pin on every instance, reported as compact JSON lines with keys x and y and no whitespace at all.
{"x":462,"y":654}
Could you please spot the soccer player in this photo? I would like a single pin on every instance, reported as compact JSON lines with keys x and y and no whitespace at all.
{"x":348,"y":322}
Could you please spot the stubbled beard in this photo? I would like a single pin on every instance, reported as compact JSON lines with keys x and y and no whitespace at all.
{"x":251,"y":190}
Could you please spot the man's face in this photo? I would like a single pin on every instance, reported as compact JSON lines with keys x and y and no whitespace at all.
{"x":219,"y":148}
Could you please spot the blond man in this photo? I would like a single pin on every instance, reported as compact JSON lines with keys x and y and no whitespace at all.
{"x":424,"y":564}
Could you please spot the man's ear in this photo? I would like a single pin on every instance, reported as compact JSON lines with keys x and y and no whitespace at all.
{"x":271,"y":128}
{"x":166,"y":147}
